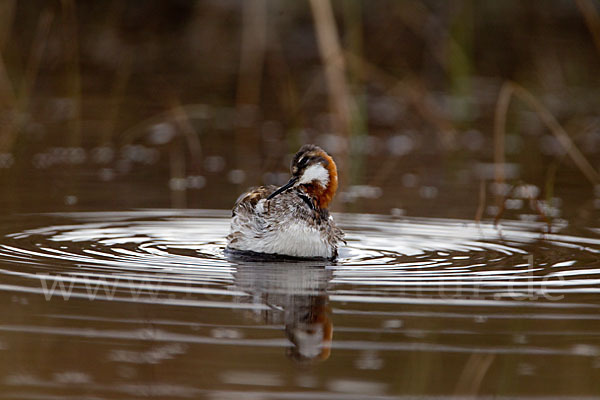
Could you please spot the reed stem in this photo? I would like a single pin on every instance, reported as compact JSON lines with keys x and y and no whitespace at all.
{"x":10,"y":130}
{"x":506,"y":93}
{"x":332,"y":57}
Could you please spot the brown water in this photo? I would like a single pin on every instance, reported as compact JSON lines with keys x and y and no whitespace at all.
{"x":145,"y":304}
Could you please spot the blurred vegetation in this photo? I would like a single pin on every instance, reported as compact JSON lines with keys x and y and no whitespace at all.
{"x":201,"y":99}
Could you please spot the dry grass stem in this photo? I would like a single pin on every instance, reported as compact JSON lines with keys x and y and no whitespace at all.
{"x":511,"y":88}
{"x":473,"y":373}
{"x":592,"y":19}
{"x":7,"y":17}
{"x":334,"y":63}
{"x":502,"y":204}
{"x":481,"y":205}
{"x":249,"y":81}
{"x":11,"y":128}
{"x":7,"y":93}
{"x":185,"y":126}
{"x":253,"y":46}
{"x":177,"y":172}
{"x":533,"y":201}
{"x":116,"y":97}
{"x":71,"y":46}
{"x":500,"y":130}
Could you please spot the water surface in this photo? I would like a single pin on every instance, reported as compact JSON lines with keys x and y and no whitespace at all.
{"x":146,"y":304}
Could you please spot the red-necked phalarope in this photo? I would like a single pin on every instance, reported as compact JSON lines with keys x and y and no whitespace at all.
{"x":292,"y":220}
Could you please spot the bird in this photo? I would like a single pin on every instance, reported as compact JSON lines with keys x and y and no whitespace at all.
{"x":292,"y":220}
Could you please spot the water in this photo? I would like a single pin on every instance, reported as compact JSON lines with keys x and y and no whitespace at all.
{"x":110,"y":305}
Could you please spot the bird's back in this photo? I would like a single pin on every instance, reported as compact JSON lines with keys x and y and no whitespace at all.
{"x":288,"y":224}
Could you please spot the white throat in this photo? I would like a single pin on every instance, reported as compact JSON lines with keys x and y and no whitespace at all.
{"x":315,"y":172}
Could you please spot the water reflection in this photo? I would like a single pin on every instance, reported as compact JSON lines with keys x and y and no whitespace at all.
{"x":296,"y":298}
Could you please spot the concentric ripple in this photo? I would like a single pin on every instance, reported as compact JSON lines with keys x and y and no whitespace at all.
{"x":182,"y":251}
{"x":111,"y":280}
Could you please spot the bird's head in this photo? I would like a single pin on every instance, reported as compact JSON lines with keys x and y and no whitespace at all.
{"x":314,"y":172}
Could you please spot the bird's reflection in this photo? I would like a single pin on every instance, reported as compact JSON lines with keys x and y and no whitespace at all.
{"x":296,"y":296}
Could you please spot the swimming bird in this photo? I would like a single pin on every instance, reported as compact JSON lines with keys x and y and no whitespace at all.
{"x":292,"y":220}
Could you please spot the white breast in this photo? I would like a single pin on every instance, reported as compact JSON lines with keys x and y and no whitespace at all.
{"x":294,"y":238}
{"x":299,"y":239}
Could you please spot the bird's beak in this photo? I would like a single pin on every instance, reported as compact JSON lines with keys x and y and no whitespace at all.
{"x":285,"y":187}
